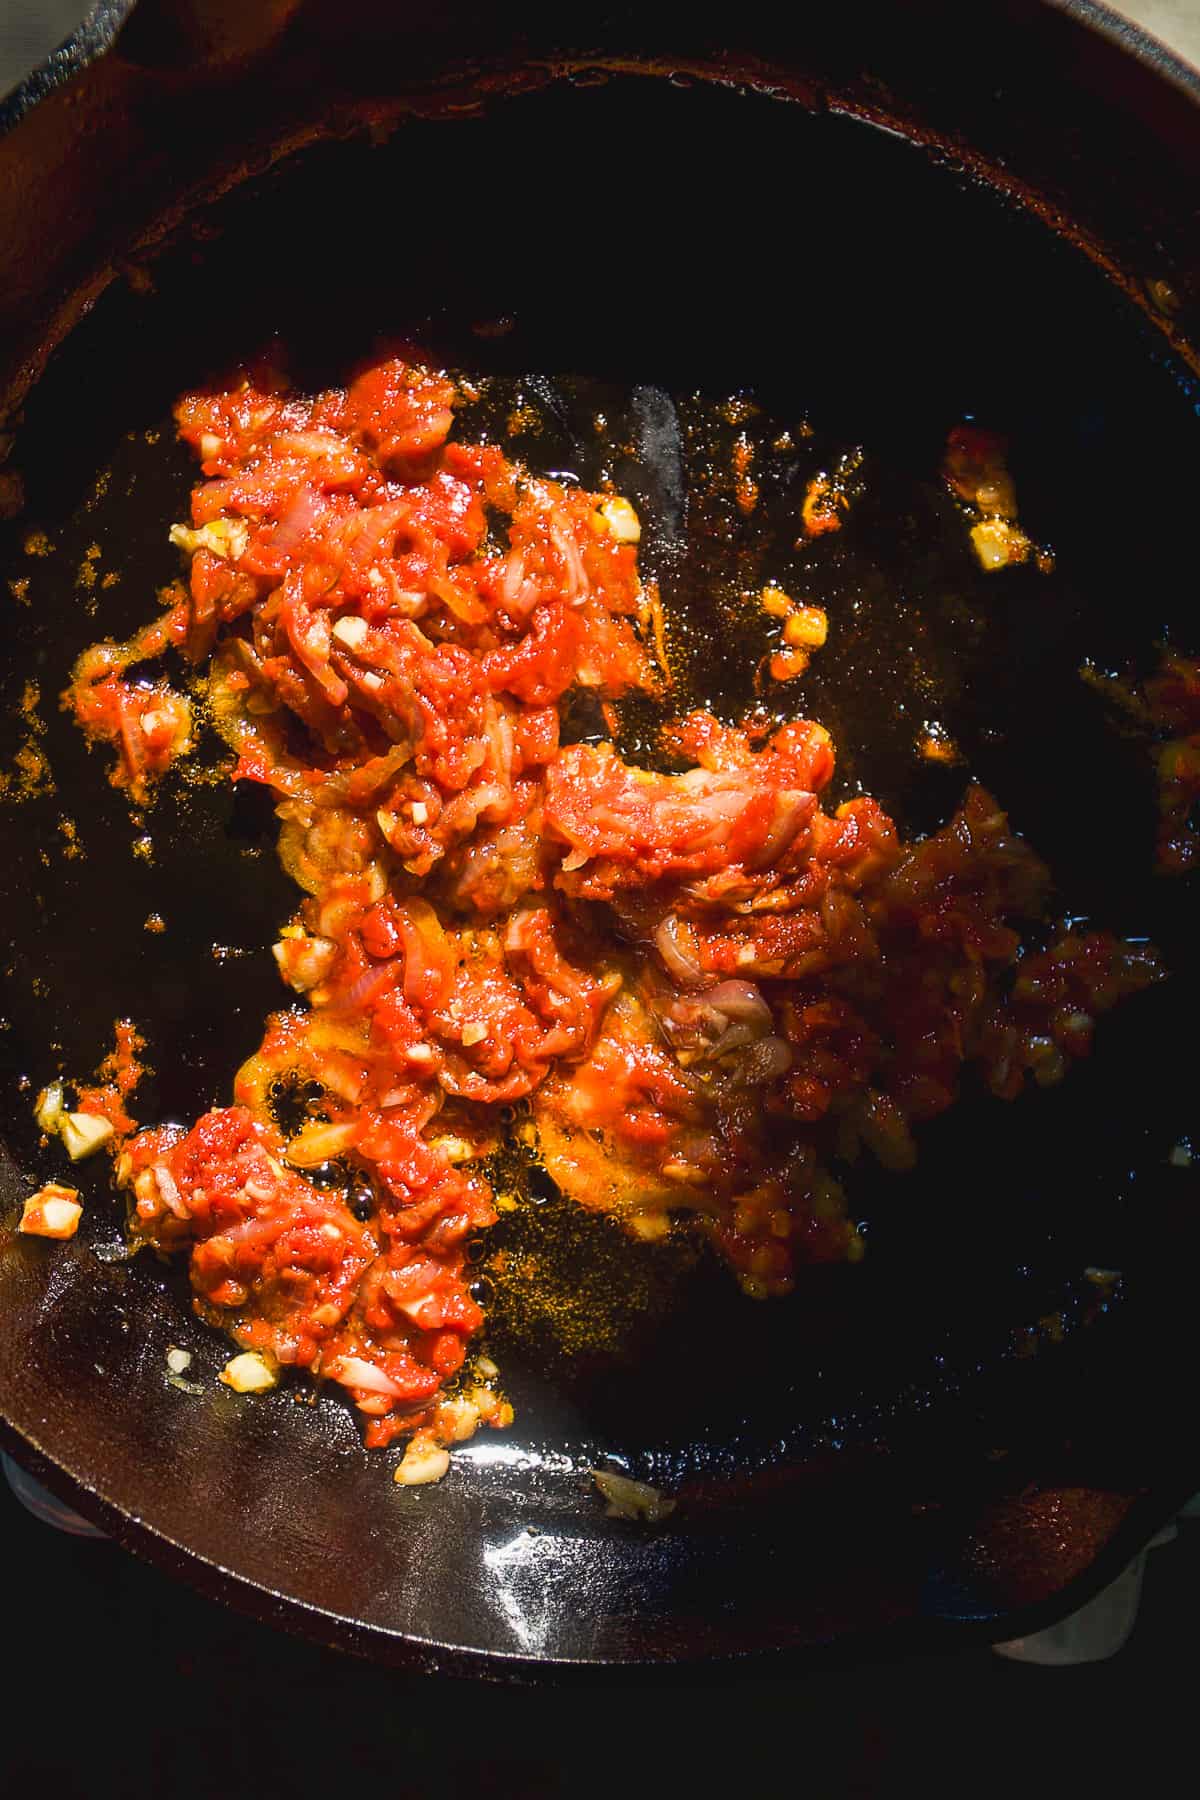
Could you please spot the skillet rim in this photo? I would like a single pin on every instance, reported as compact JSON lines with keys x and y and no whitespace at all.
{"x":1146,"y":1514}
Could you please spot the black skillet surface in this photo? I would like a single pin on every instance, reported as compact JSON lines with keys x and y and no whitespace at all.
{"x":880,"y":1458}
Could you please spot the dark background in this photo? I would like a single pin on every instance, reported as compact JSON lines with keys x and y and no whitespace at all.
{"x":121,"y":1682}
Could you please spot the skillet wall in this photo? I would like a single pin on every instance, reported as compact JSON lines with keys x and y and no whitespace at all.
{"x":194,"y":86}
{"x":650,"y":1598}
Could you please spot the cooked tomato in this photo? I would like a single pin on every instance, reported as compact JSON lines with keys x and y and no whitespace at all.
{"x":706,"y":984}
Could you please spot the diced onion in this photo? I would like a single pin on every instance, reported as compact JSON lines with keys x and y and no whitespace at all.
{"x":49,"y":1107}
{"x":53,"y":1212}
{"x":321,"y":1143}
{"x":457,"y":1420}
{"x":454,"y":1149}
{"x":620,"y":520}
{"x":807,"y":628}
{"x":356,"y":1372}
{"x":351,"y":632}
{"x":84,"y":1133}
{"x":423,"y":1461}
{"x":304,"y":961}
{"x":170,"y":1192}
{"x":224,"y":537}
{"x":248,"y":1373}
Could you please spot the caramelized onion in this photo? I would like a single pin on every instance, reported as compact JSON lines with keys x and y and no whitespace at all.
{"x":763,"y":1062}
{"x":741,"y":1003}
{"x":674,"y":942}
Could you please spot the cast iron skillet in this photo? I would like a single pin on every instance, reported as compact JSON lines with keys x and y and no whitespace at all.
{"x":871,"y":226}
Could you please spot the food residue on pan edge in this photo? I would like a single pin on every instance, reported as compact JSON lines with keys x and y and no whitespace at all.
{"x":700,"y":989}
